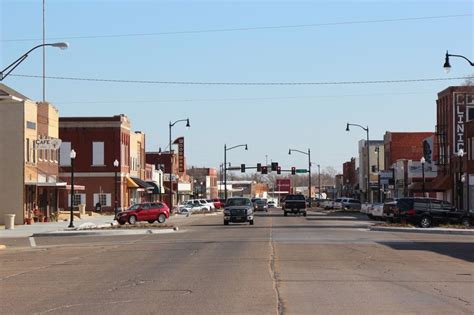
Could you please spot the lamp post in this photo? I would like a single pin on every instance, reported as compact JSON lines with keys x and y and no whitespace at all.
{"x":447,"y":65}
{"x":319,"y":181}
{"x":368,"y":157}
{"x":72,"y":155}
{"x":422,"y":160}
{"x":116,"y":165}
{"x":225,"y":164}
{"x":309,"y":170}
{"x":460,"y":181}
{"x":377,"y":150}
{"x":171,"y":159}
{"x":5,"y":72}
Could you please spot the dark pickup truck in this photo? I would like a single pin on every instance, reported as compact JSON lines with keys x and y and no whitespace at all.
{"x":295,"y":204}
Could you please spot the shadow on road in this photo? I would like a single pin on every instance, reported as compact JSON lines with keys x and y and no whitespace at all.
{"x":292,"y":226}
{"x":462,"y":251}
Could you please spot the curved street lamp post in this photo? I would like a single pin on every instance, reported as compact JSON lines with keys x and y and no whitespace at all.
{"x":225,"y":164}
{"x":447,"y":65}
{"x":16,"y":63}
{"x":171,"y":159}
{"x":367,"y":194}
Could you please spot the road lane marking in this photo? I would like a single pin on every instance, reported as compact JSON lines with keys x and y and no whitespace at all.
{"x":32,"y":241}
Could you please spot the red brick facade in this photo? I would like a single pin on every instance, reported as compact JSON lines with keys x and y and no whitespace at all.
{"x":404,"y":145}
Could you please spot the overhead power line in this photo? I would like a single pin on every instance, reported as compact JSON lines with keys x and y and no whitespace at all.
{"x":240,"y":29}
{"x":243,"y":83}
{"x":232,"y":99}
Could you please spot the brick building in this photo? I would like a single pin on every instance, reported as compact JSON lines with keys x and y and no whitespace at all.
{"x":98,"y":142}
{"x":349,"y":177}
{"x":455,"y":107}
{"x":404,"y":145}
{"x":208,"y":177}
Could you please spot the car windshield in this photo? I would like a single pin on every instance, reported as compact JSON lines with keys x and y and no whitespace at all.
{"x":261,"y":202}
{"x":294,"y":197}
{"x":238,"y":202}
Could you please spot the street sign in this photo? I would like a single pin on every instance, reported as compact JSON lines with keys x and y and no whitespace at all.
{"x":301,"y":171}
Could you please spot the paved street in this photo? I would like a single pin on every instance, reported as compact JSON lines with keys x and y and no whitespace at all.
{"x":321,"y":264}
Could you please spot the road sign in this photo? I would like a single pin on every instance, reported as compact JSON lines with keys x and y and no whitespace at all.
{"x":301,"y":171}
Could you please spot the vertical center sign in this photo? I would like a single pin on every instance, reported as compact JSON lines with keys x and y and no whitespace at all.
{"x":180,"y":143}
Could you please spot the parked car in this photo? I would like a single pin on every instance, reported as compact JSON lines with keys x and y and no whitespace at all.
{"x":149,"y":211}
{"x":206,"y":203}
{"x":197,"y":202}
{"x":217,"y":203}
{"x":327,"y":204}
{"x":260,"y":205}
{"x":295,"y":204}
{"x":238,"y":209}
{"x":271,"y":204}
{"x":426,"y":212}
{"x":188,"y":208}
{"x":376,"y":211}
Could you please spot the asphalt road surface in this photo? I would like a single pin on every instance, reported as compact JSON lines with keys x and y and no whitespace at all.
{"x":321,"y":264}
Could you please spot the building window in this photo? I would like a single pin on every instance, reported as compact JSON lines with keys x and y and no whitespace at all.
{"x":77,"y":200}
{"x":105,"y":200}
{"x":65,"y":154}
{"x":98,"y":153}
{"x":30,"y":125}
{"x":470,"y":113}
{"x":27,"y":150}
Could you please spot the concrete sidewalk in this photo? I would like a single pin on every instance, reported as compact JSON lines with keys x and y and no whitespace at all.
{"x":38,"y":228}
{"x":432,"y":230}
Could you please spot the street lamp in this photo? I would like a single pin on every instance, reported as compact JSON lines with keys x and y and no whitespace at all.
{"x":447,"y":66}
{"x":309,"y":169}
{"x":116,"y":165}
{"x":460,"y":182}
{"x":72,"y":155}
{"x":319,"y":181}
{"x":422,"y":160}
{"x":171,"y":159}
{"x":368,"y":157}
{"x":17,"y":62}
{"x":377,"y":150}
{"x":225,"y":164}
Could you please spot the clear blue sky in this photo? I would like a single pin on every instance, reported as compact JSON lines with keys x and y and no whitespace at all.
{"x":270,"y":119}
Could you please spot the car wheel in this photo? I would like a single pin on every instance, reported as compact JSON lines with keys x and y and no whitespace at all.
{"x":251,"y":222}
{"x":226,"y":222}
{"x":466,"y":222}
{"x":286,"y":214}
{"x":121,"y":222}
{"x":304,"y":214}
{"x":132,"y":219}
{"x":151,"y":221}
{"x":162,"y":218}
{"x":425,"y":222}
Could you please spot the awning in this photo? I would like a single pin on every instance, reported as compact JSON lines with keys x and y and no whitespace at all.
{"x":76,"y":187}
{"x":61,"y":185}
{"x":443,"y":183}
{"x":142,"y":184}
{"x":156,"y":188}
{"x":131,"y":183}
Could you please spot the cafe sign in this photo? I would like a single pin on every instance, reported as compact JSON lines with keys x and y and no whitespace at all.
{"x":47,"y":144}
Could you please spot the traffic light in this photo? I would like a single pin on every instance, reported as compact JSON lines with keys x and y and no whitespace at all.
{"x":279,"y":170}
{"x":264,"y":170}
{"x":242,"y":168}
{"x":274,"y":166}
{"x":293,"y":170}
{"x":259,"y":167}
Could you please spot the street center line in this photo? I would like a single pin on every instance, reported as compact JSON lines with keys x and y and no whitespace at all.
{"x":32,"y":242}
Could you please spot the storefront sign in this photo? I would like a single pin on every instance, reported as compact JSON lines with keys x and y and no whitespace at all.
{"x":47,"y":144}
{"x":180,"y":143}
{"x":463,"y":105}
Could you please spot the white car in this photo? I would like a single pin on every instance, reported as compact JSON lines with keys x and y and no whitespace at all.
{"x":204,"y":202}
{"x":199,"y":203}
{"x":189,"y":208}
{"x":377,"y":211}
{"x":327,"y":204}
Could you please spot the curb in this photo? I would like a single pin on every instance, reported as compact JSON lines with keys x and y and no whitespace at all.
{"x":106,"y":232}
{"x":421,"y":231}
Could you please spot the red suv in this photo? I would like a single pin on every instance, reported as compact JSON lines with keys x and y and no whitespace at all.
{"x":218,"y":203}
{"x":149,"y":211}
